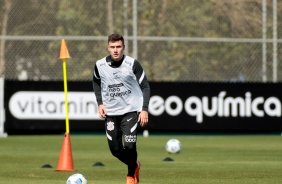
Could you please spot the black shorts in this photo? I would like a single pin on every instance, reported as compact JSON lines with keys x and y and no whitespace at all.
{"x":124,"y":126}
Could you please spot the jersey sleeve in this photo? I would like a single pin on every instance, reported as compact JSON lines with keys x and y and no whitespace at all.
{"x":97,"y":85}
{"x":143,"y":83}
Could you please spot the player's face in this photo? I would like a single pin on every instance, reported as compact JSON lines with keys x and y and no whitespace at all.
{"x":116,"y":50}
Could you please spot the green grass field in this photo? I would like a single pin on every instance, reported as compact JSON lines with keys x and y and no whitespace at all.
{"x":202,"y":160}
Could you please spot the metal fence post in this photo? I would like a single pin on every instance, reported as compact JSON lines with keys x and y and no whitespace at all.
{"x":2,"y":110}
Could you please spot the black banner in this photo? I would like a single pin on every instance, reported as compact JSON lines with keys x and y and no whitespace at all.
{"x":216,"y":107}
{"x":38,"y":107}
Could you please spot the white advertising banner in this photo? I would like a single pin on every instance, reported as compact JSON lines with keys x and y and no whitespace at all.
{"x":51,"y":105}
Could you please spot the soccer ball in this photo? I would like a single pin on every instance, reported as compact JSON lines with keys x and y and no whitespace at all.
{"x":77,"y":179}
{"x":173,"y":146}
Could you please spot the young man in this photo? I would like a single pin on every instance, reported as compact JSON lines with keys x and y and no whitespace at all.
{"x":122,"y":93}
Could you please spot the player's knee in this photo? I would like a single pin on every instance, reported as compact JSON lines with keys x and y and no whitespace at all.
{"x":130,"y":145}
{"x":115,"y":151}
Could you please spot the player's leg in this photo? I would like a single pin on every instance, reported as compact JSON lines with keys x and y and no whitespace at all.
{"x":114,"y":137}
{"x":129,"y":127}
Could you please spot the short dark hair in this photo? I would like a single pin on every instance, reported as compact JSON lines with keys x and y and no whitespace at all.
{"x":115,"y":37}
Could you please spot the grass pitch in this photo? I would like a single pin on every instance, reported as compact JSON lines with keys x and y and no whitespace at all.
{"x":202,"y":160}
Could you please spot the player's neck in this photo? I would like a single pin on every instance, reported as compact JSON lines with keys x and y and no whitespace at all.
{"x":114,"y":63}
{"x":119,"y":60}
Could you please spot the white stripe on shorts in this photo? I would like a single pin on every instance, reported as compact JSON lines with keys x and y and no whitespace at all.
{"x":134,"y":127}
{"x":109,"y":137}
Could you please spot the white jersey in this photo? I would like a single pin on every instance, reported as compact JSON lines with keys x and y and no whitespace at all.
{"x":121,"y":92}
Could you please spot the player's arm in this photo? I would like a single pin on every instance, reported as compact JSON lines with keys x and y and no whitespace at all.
{"x":145,"y":87}
{"x":144,"y":84}
{"x":97,"y":91}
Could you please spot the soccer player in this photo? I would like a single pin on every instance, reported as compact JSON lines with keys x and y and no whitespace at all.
{"x":122,"y":93}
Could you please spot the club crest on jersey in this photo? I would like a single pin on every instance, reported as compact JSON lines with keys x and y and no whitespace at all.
{"x":110,"y":126}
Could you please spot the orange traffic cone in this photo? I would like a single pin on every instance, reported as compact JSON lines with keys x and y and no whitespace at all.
{"x":64,"y":52}
{"x":65,"y":160}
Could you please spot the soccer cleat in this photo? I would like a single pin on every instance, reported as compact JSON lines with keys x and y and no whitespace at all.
{"x":130,"y":180}
{"x":136,"y":174}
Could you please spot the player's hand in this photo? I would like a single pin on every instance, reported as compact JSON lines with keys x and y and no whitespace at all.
{"x":143,"y":118}
{"x":102,"y":111}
